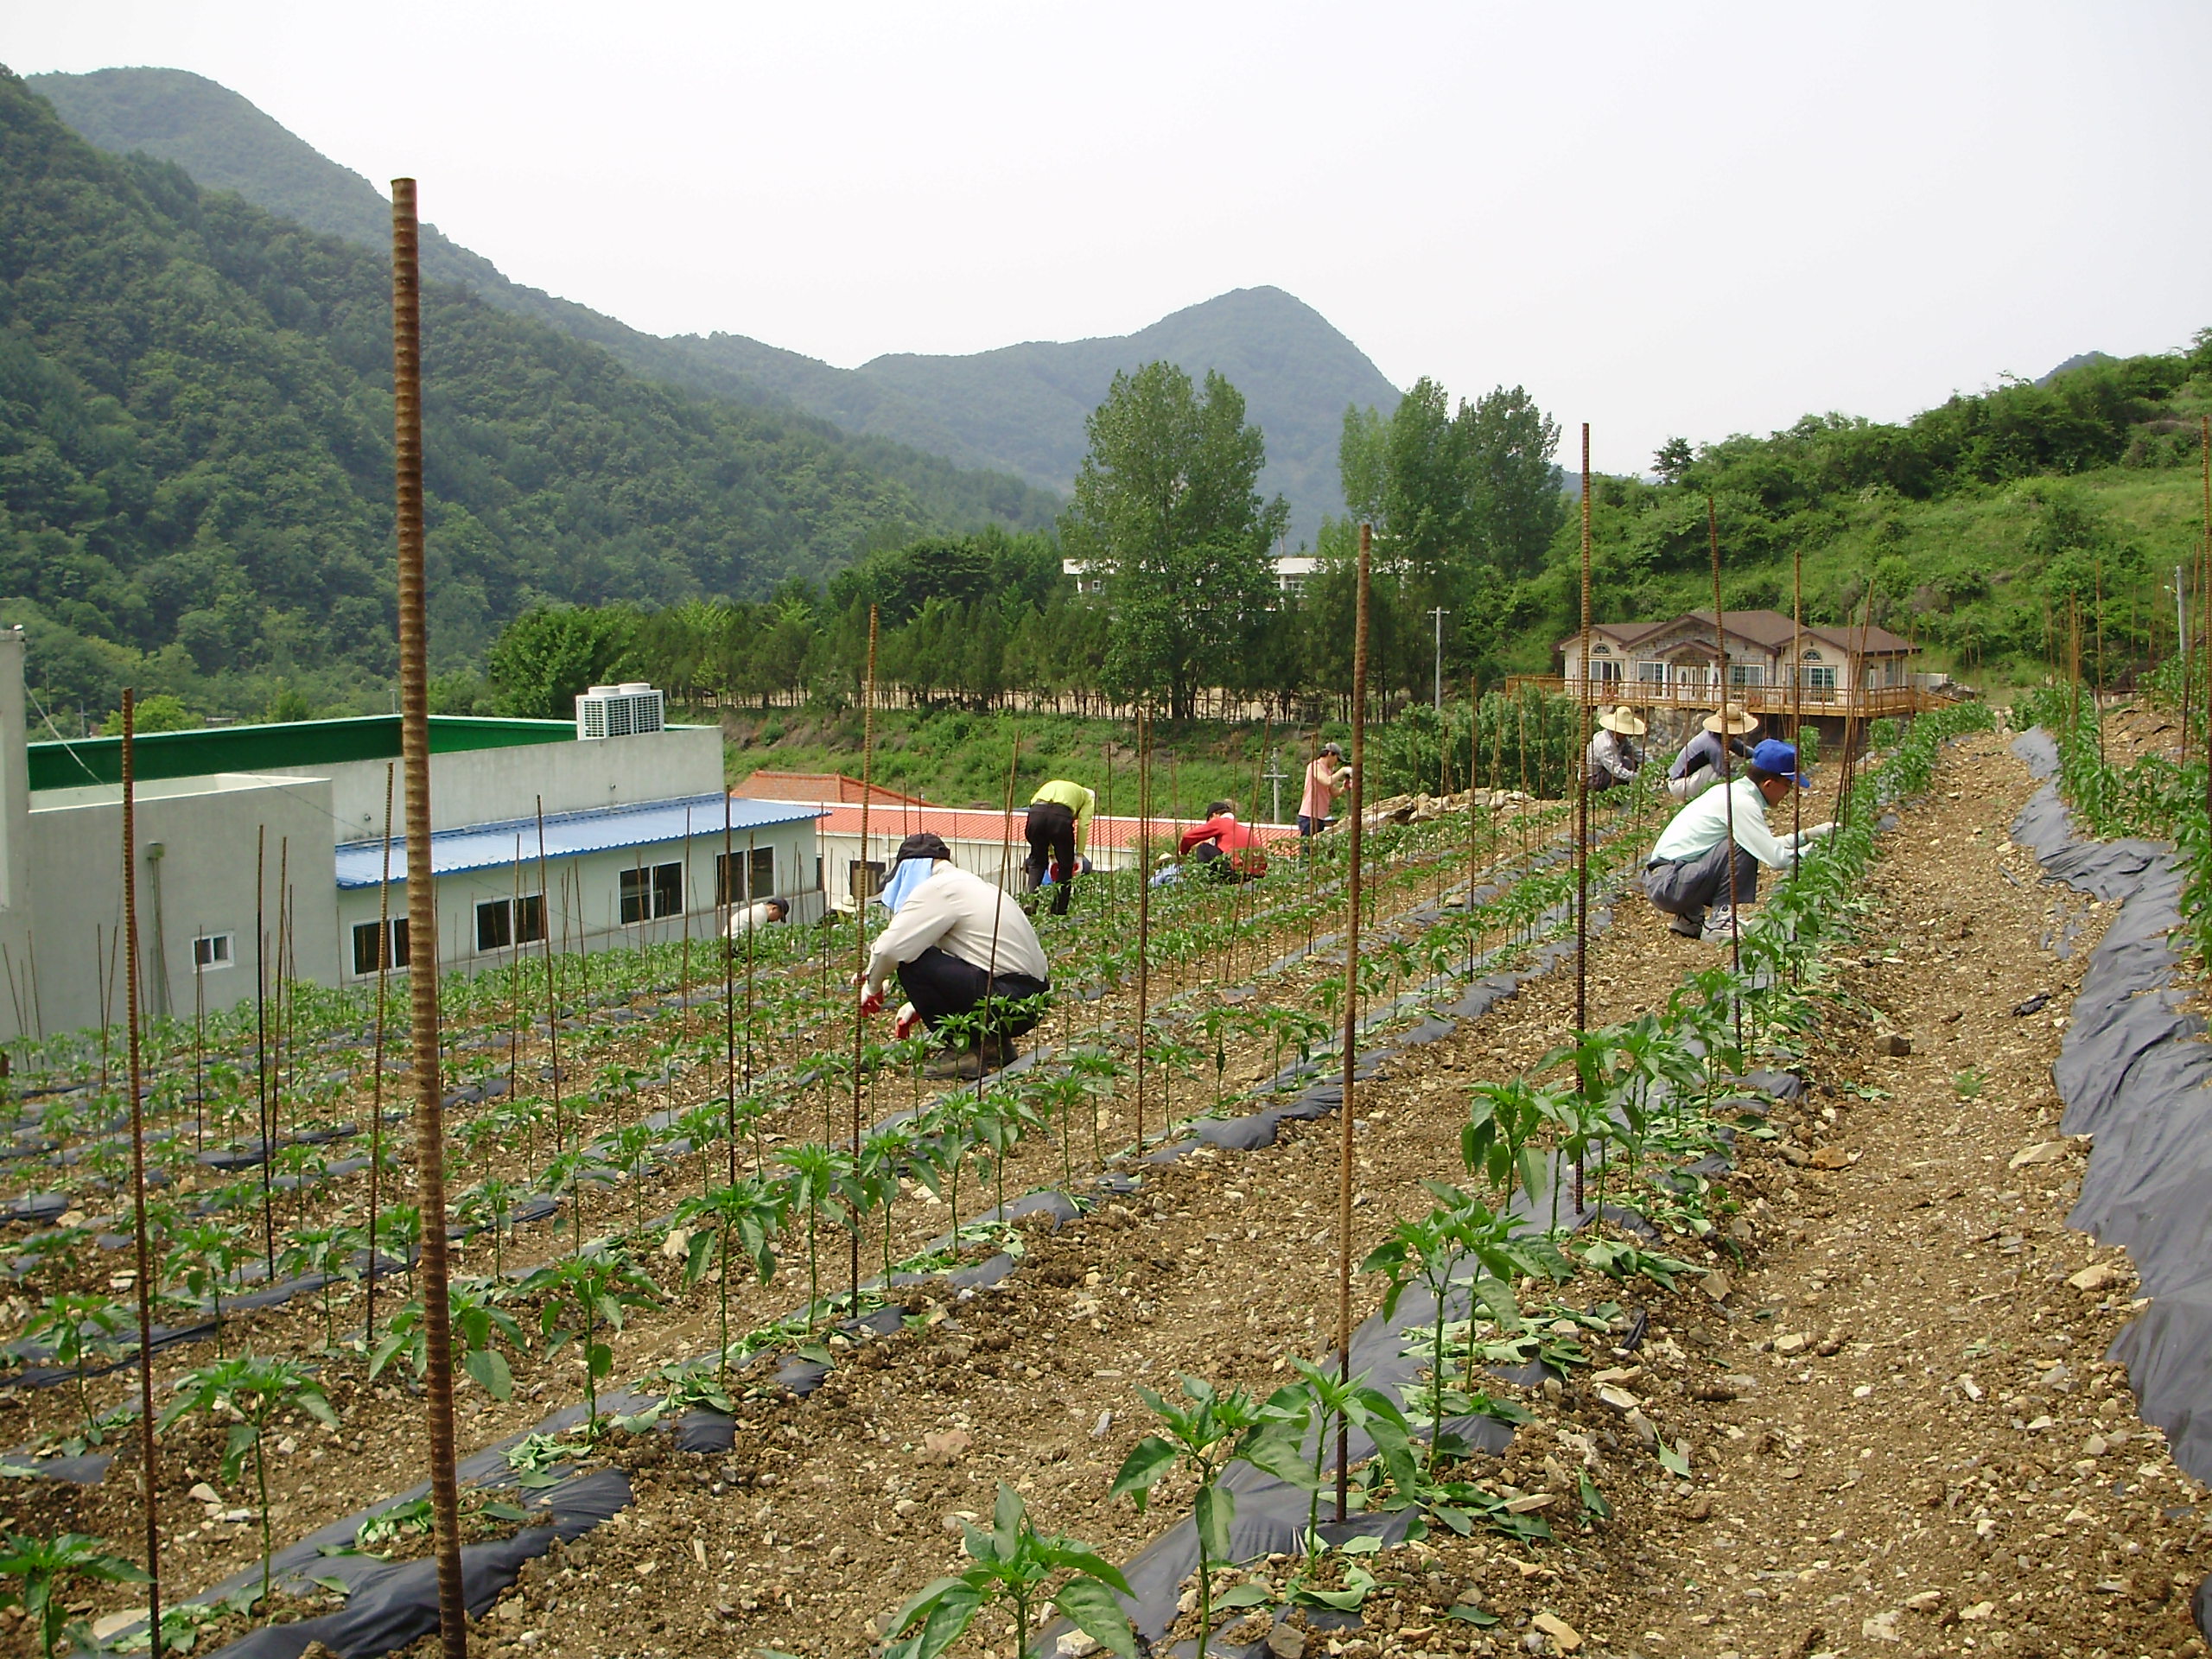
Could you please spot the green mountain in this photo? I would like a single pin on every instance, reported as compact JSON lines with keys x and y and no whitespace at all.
{"x":195,"y":450}
{"x":1019,"y":409}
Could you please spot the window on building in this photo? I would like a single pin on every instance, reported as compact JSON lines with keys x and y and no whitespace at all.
{"x":1753,"y":674}
{"x":817,"y":875}
{"x":503,"y":922}
{"x":1651,"y":673}
{"x":653,"y":891}
{"x":1820,"y":677}
{"x":864,"y":880}
{"x":211,"y":951}
{"x":733,"y":885}
{"x":1604,"y":668}
{"x":365,"y":946}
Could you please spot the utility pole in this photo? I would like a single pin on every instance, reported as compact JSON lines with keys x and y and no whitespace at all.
{"x":1439,"y":614}
{"x":1274,"y":775}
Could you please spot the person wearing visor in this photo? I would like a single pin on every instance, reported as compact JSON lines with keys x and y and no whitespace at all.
{"x":955,"y":939}
{"x":1704,"y":759}
{"x":1689,"y":873}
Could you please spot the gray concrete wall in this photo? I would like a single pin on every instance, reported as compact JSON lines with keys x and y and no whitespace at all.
{"x":491,"y":785}
{"x":200,"y":881}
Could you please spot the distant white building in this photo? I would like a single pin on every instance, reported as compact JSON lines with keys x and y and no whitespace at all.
{"x":632,"y":850}
{"x":1291,"y":571}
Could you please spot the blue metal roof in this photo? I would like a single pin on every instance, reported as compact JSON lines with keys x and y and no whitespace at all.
{"x":491,"y":846}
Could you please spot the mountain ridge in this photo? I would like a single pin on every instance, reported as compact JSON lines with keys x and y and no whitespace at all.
{"x":1018,"y":409}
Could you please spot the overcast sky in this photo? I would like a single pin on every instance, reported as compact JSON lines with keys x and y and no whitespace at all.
{"x":1679,"y":219}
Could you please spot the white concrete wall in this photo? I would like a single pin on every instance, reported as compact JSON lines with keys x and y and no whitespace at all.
{"x":201,"y":882}
{"x":18,"y":1015}
{"x":585,"y":898}
{"x":491,"y":785}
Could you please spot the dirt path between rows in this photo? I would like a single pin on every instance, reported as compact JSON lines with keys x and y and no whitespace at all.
{"x":1902,"y":1435}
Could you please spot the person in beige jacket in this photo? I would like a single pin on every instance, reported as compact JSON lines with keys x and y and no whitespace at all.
{"x":955,"y":940}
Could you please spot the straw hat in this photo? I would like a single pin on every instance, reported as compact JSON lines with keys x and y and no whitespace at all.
{"x":1736,"y":719}
{"x":1622,"y":720}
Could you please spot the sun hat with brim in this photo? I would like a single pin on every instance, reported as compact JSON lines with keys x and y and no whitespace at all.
{"x":1772,"y":754}
{"x":1736,"y":718}
{"x":1622,"y":719}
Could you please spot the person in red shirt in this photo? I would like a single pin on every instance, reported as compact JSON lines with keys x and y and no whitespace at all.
{"x":1222,"y":848}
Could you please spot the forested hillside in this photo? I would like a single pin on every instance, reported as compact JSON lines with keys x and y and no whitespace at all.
{"x":194,"y":452}
{"x":1019,"y":409}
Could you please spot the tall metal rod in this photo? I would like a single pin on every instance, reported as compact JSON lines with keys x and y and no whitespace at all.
{"x":1144,"y":899}
{"x":423,"y":912}
{"x":1796,"y":711}
{"x":144,"y":1287}
{"x":2204,"y":468}
{"x":384,"y":964}
{"x":1727,"y":757}
{"x":1351,"y":1016}
{"x":860,"y":939}
{"x":261,"y":1054}
{"x":552,"y":993}
{"x":1583,"y":706}
{"x":729,"y":985}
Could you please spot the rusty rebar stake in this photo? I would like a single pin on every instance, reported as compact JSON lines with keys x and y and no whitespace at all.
{"x":423,"y":912}
{"x":1351,"y":1017}
{"x":144,"y":1287}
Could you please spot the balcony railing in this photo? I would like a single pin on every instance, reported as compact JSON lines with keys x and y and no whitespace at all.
{"x":1917,"y":693}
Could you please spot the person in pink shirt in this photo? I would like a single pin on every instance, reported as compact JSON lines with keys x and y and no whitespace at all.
{"x":1224,"y":847}
{"x":1327,"y":776}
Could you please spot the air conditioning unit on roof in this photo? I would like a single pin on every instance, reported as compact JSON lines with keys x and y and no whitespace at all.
{"x":619,"y":710}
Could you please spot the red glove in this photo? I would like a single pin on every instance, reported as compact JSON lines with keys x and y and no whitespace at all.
{"x":871,"y":1002}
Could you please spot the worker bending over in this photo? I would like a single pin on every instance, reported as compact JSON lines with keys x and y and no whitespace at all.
{"x":1058,"y":829}
{"x":1689,"y":873}
{"x":955,"y":940}
{"x":1612,"y":758}
{"x":764,"y":912}
{"x":1704,"y":759}
{"x":1223,"y":849}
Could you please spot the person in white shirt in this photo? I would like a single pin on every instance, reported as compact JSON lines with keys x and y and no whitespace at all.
{"x":956,"y":939}
{"x":1689,"y":874}
{"x":1612,"y":758}
{"x":765,"y":912}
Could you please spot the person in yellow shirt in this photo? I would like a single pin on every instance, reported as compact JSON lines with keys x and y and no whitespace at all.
{"x":1058,"y":830}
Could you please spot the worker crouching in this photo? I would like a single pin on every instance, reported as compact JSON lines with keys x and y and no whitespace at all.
{"x":1699,"y":870}
{"x":965,"y":955}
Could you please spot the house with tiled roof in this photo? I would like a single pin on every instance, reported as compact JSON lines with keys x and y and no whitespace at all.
{"x":1761,"y":658}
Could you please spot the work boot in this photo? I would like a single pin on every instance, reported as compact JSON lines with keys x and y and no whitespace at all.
{"x":953,"y":1063}
{"x":1689,"y":926}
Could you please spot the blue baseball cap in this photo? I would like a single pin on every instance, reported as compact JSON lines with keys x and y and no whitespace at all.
{"x":1774,"y":756}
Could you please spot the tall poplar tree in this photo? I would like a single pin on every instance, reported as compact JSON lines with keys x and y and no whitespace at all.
{"x":1167,"y":507}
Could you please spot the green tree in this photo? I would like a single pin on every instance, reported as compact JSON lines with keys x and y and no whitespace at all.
{"x":548,"y":655}
{"x":158,"y":713}
{"x":1166,"y":505}
{"x":1514,"y":499}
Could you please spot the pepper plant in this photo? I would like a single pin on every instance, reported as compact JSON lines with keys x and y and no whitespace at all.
{"x":1015,"y":1562}
{"x":45,"y":1567}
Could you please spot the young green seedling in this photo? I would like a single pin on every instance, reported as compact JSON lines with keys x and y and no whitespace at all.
{"x":253,"y":1391}
{"x":476,"y":1320}
{"x":45,"y":1567}
{"x":1015,"y":1562}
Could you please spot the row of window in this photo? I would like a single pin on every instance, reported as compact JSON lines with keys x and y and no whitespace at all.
{"x":1815,"y":677}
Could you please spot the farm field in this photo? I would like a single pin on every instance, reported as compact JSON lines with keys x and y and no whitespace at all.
{"x":1784,"y":1408}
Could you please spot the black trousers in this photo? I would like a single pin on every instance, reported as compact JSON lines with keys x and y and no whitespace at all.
{"x":942,"y":986}
{"x":1051,"y":830}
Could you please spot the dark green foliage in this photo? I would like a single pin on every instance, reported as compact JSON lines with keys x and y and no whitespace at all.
{"x":195,"y":451}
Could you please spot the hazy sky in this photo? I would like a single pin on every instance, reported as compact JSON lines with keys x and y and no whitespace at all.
{"x":1679,"y":219}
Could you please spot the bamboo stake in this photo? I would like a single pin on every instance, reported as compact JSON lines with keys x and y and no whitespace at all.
{"x":144,"y":1287}
{"x":860,"y":938}
{"x":1351,"y":1017}
{"x":423,"y":915}
{"x":384,"y":964}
